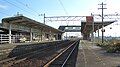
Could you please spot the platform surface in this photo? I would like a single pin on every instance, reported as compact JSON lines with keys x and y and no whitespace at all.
{"x":90,"y":55}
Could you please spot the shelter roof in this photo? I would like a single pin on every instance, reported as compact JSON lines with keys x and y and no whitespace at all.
{"x":22,"y":20}
{"x":87,"y":28}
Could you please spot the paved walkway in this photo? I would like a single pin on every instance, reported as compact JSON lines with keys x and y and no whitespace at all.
{"x":90,"y":55}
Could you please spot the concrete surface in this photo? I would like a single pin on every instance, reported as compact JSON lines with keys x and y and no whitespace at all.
{"x":90,"y":55}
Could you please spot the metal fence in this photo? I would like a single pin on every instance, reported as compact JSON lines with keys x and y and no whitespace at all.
{"x":4,"y":38}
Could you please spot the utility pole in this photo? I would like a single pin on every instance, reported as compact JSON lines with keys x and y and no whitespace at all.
{"x":92,"y":28}
{"x":102,"y":19}
{"x":44,"y":18}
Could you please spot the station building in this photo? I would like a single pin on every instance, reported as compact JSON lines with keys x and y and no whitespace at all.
{"x":23,"y":29}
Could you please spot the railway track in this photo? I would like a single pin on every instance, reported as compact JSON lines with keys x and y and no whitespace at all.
{"x":63,"y":59}
{"x":37,"y":58}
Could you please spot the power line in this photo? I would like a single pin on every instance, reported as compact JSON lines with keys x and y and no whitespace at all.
{"x":63,"y":7}
{"x":26,"y":6}
{"x":16,"y":6}
{"x":102,"y":1}
{"x":4,"y":13}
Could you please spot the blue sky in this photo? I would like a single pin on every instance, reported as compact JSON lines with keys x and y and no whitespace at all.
{"x":50,"y":7}
{"x":33,"y":8}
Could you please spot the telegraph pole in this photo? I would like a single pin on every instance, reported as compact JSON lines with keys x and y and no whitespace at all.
{"x":44,"y":17}
{"x":102,"y":19}
{"x":92,"y":28}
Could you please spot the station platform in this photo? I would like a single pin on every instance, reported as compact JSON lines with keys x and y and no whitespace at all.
{"x":24,"y":43}
{"x":17,"y":49}
{"x":90,"y":55}
{"x":7,"y":45}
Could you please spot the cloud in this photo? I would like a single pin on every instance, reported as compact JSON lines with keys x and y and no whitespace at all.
{"x":3,"y":6}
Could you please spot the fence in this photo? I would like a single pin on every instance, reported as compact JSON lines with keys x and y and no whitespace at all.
{"x":4,"y":38}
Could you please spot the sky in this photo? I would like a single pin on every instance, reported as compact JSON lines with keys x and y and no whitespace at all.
{"x":35,"y":8}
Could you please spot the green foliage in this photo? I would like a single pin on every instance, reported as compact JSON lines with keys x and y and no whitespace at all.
{"x":103,"y":45}
{"x":111,"y":46}
{"x":111,"y":49}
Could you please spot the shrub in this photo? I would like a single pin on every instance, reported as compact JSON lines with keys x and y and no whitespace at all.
{"x":103,"y":45}
{"x":114,"y":48}
{"x":111,"y":49}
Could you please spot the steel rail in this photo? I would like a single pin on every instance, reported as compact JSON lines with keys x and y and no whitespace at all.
{"x":69,"y":55}
{"x":48,"y":64}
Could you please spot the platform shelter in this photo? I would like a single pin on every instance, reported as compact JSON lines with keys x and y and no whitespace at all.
{"x":87,"y":29}
{"x":20,"y":28}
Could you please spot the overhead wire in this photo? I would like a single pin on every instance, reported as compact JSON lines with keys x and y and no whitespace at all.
{"x":63,"y":7}
{"x":18,"y":7}
{"x":27,"y":6}
{"x":101,"y":1}
{"x":4,"y":13}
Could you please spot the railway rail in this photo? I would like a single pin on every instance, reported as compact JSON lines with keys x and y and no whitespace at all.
{"x":41,"y":57}
{"x":62,"y":59}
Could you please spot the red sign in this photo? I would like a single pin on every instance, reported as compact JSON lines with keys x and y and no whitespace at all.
{"x":89,"y":20}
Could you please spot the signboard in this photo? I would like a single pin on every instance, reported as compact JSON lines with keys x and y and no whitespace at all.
{"x":89,"y":20}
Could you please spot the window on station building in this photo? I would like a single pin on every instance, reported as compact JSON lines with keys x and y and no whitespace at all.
{"x":66,"y":28}
{"x":74,"y":27}
{"x":70,"y":28}
{"x":77,"y":28}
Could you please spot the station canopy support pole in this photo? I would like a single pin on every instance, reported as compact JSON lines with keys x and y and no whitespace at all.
{"x":10,"y":32}
{"x":31,"y":35}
